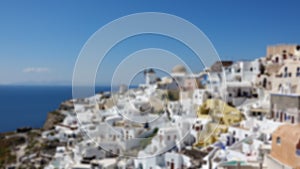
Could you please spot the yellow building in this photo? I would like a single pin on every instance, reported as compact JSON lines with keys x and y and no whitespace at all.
{"x":218,"y":116}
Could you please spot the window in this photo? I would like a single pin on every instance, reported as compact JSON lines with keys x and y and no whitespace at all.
{"x":198,"y":128}
{"x":284,"y":56}
{"x":298,"y":148}
{"x":285,"y":72}
{"x":285,"y":117}
{"x":298,"y":72}
{"x":279,"y":87}
{"x":278,"y":140}
{"x":264,"y":82}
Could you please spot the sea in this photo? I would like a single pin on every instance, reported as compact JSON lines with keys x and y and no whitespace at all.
{"x":22,"y":106}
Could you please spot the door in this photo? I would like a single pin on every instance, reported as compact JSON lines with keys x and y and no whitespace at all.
{"x":172,"y":164}
{"x":281,"y":116}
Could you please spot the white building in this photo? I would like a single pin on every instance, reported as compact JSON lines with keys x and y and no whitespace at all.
{"x":200,"y":96}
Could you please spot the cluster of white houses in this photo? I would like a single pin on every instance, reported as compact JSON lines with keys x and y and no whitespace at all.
{"x":166,"y":123}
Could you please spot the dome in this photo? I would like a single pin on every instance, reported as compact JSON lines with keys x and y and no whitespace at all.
{"x":179,"y":69}
{"x":149,"y":71}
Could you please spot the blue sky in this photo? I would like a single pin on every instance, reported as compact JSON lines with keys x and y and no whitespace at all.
{"x":40,"y":40}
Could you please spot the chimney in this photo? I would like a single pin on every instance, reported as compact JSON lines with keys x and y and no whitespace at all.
{"x":238,"y":165}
